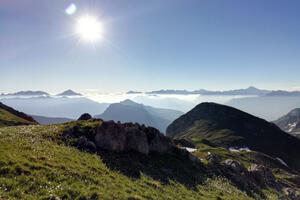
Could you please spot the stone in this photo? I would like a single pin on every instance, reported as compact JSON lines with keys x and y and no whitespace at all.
{"x":291,"y":193}
{"x":85,"y":116}
{"x":85,"y":144}
{"x":236,"y":171}
{"x":91,"y":146}
{"x":110,"y":136}
{"x":194,"y":158}
{"x":136,"y":140}
{"x":157,"y":141}
{"x":235,"y":166}
{"x":213,"y":159}
{"x":261,"y":174}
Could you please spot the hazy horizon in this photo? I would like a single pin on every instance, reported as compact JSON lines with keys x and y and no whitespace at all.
{"x":144,"y":46}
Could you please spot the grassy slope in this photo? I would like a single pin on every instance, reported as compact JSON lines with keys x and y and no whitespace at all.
{"x":36,"y":164}
{"x":9,"y":119}
{"x":280,"y":171}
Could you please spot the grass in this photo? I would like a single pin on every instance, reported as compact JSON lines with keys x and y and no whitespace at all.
{"x":35,"y":163}
{"x":9,"y":119}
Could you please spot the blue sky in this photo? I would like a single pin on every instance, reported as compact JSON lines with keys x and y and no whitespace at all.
{"x":149,"y":45}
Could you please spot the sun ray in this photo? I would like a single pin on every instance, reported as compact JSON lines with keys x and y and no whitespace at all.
{"x":89,"y":28}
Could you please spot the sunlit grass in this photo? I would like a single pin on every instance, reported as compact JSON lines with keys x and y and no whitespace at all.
{"x":35,"y":163}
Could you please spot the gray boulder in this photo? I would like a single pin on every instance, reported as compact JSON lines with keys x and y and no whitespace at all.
{"x":85,"y":116}
{"x":261,"y":174}
{"x":136,"y":140}
{"x":213,"y":159}
{"x":291,"y":193}
{"x":235,"y":166}
{"x":236,"y":171}
{"x":110,"y":136}
{"x":157,"y":141}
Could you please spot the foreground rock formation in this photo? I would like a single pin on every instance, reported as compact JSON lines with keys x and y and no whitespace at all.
{"x":118,"y":137}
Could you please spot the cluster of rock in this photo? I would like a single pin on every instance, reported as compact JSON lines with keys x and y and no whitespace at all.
{"x":252,"y":178}
{"x":118,"y":137}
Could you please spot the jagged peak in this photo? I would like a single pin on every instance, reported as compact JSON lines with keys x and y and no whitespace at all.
{"x":69,"y":92}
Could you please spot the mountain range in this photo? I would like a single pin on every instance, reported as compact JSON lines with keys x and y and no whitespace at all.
{"x":26,"y":93}
{"x":241,"y":92}
{"x":283,"y":93}
{"x":129,"y":111}
{"x":41,"y":93}
{"x":57,"y":106}
{"x":290,"y":122}
{"x":248,"y":91}
{"x":269,"y":107}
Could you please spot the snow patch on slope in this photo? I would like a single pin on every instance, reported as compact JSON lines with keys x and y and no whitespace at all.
{"x":189,"y":149}
{"x":281,"y":161}
{"x":233,"y":149}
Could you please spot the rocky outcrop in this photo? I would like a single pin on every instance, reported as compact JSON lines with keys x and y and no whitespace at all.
{"x":236,"y":171}
{"x":119,"y":137}
{"x":252,"y":179}
{"x":157,"y":141}
{"x":136,"y":140}
{"x":85,"y":116}
{"x":261,"y":174}
{"x":213,"y":159}
{"x":110,"y":136}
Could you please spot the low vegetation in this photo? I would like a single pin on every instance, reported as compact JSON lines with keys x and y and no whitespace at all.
{"x":36,"y":163}
{"x":11,"y":117}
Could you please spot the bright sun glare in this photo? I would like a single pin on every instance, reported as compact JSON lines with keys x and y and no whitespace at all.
{"x":89,"y":28}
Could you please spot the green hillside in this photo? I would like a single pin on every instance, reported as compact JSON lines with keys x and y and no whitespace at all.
{"x":224,"y":126}
{"x":11,"y":117}
{"x":45,"y":167}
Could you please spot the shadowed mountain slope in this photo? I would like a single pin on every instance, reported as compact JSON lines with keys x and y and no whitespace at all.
{"x":225,"y":126}
{"x":290,"y":122}
{"x":129,"y":111}
{"x":12,"y":117}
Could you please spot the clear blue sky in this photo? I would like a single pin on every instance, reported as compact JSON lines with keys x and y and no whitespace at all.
{"x":151,"y":44}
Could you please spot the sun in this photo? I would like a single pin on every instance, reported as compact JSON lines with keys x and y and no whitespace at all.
{"x":89,"y":28}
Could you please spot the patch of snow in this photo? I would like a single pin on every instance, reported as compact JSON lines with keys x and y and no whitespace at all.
{"x":232,"y":149}
{"x":291,"y":126}
{"x":281,"y":161}
{"x":189,"y":149}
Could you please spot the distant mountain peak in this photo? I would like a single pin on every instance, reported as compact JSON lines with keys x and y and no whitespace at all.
{"x":133,"y":92}
{"x":283,"y":93}
{"x":129,"y":102}
{"x":290,"y":122}
{"x":69,"y":93}
{"x":28,"y":93}
{"x":130,"y":111}
{"x":252,"y":88}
